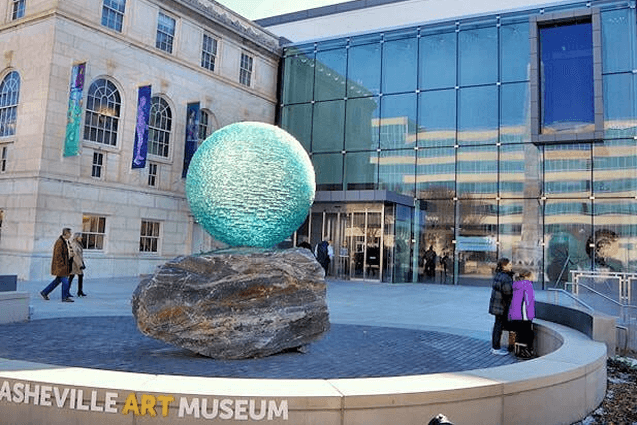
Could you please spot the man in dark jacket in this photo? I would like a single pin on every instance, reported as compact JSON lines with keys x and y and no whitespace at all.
{"x":60,"y":267}
{"x":501,"y":293}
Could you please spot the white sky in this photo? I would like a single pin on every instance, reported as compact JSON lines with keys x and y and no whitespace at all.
{"x":257,"y":9}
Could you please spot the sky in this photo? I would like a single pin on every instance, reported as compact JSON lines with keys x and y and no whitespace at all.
{"x":257,"y":9}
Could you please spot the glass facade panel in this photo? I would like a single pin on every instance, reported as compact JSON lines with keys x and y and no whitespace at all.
{"x":329,"y":82}
{"x":363,"y":70}
{"x":615,"y":168}
{"x":477,"y":49}
{"x":329,"y":171}
{"x":567,"y":227}
{"x":477,"y":171}
{"x":437,"y":224}
{"x":361,"y":123}
{"x":567,"y":170}
{"x":620,"y":109}
{"x":397,"y":171}
{"x":361,"y":171}
{"x":398,"y":121}
{"x":298,"y":79}
{"x":618,"y":29}
{"x":615,"y":244}
{"x":476,"y":240}
{"x":437,"y":118}
{"x":514,"y":52}
{"x":438,"y":61}
{"x":478,"y":115}
{"x":328,"y":126}
{"x":294,"y":119}
{"x":515,"y":117}
{"x":520,"y":169}
{"x":400,"y":65}
{"x":436,"y":173}
{"x":566,"y":74}
{"x":520,"y":234}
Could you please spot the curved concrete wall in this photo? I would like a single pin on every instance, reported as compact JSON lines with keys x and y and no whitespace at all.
{"x":561,"y":387}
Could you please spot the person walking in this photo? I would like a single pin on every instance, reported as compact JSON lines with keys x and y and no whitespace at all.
{"x":60,"y":267}
{"x":501,"y":293}
{"x":77,"y":266}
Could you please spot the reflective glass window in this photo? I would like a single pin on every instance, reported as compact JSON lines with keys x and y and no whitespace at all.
{"x":615,"y":168}
{"x":436,"y":173}
{"x":328,"y":126}
{"x":329,"y":171}
{"x":477,"y":56}
{"x":103,"y":108}
{"x":398,"y":121}
{"x":437,"y":118}
{"x":567,"y":170}
{"x":363,"y":70}
{"x":615,"y":225}
{"x":112,"y":13}
{"x":9,"y":97}
{"x":165,"y":33}
{"x":520,"y":233}
{"x":436,"y":228}
{"x":361,"y":170}
{"x":296,"y":120}
{"x":476,"y":246}
{"x":298,"y":79}
{"x":159,"y":127}
{"x":477,"y":171}
{"x":478,"y":115}
{"x":400,"y":65}
{"x":396,"y":171}
{"x":514,"y":52}
{"x":515,"y":122}
{"x":566,"y":74}
{"x":620,"y":110}
{"x":438,"y":61}
{"x":567,"y":227}
{"x":618,"y":29}
{"x":361,"y":123}
{"x":330,"y":75}
{"x":520,"y":168}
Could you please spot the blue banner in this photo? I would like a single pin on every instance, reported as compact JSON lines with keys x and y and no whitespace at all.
{"x":74,"y":113}
{"x":192,"y":135}
{"x":140,"y":146}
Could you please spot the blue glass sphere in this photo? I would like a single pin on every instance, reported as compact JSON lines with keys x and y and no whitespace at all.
{"x":250,"y":184}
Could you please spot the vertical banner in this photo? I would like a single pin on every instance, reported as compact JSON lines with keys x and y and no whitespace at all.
{"x":74,"y":113}
{"x":192,"y":135}
{"x":140,"y":145}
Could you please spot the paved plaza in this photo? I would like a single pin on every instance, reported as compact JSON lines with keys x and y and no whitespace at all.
{"x":377,"y":329}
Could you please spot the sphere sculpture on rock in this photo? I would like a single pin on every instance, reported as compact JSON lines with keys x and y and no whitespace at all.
{"x":250,"y":184}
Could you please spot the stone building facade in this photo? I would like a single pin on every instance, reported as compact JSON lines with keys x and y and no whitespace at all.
{"x":190,"y":52}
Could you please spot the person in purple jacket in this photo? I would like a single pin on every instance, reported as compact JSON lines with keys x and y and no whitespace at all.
{"x":522,"y":311}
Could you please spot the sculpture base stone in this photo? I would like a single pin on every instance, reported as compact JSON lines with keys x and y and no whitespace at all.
{"x":236,"y":303}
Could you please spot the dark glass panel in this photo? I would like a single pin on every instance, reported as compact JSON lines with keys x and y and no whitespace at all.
{"x":361,"y":124}
{"x":398,"y":121}
{"x":298,"y":79}
{"x":329,"y":171}
{"x":328,"y":126}
{"x":329,"y":82}
{"x":297,"y":120}
{"x":361,"y":170}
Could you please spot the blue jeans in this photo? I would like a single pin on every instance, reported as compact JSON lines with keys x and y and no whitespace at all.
{"x":65,"y":286}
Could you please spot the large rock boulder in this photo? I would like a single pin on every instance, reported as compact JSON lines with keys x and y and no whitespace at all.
{"x":236,"y":303}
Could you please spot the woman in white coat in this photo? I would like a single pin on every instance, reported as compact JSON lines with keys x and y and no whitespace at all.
{"x":77,"y":263}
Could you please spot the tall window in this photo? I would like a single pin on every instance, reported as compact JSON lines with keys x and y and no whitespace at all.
{"x":103,"y":105}
{"x":17,"y":10}
{"x":93,"y":232}
{"x":3,"y":158}
{"x":566,"y":73}
{"x":159,"y":127}
{"x":1,"y":220}
{"x":149,"y":236}
{"x":98,"y":163}
{"x":208,"y":52}
{"x":113,"y":14}
{"x":245,"y":72}
{"x":152,"y":174}
{"x":204,"y":126}
{"x":9,"y":96}
{"x":165,"y":33}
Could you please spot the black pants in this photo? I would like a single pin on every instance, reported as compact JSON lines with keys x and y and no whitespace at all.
{"x":80,"y":282}
{"x":523,"y":331}
{"x":496,"y":335}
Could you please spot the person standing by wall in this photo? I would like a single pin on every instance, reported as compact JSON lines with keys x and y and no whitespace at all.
{"x":501,"y":293}
{"x":77,"y":266}
{"x":60,"y":267}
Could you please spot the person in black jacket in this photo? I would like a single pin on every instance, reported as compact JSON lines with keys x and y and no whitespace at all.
{"x":501,"y":293}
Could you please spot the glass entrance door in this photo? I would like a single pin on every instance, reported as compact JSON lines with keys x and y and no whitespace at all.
{"x":363,"y":235}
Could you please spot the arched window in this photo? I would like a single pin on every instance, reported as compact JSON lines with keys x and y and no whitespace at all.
{"x":159,"y":126}
{"x":9,"y":96}
{"x":103,"y":105}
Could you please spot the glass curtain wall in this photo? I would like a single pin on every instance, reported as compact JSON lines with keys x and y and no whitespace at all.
{"x":442,"y":114}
